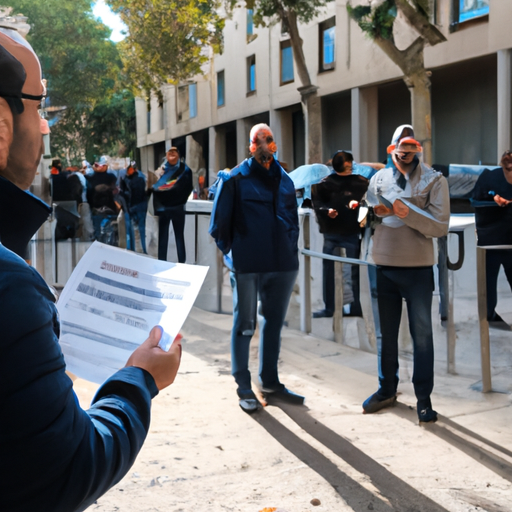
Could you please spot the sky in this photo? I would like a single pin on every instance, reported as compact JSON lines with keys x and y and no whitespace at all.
{"x":110,"y":19}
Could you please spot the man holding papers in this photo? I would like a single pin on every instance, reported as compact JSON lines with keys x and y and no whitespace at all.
{"x":53,"y":455}
{"x":413,"y":203}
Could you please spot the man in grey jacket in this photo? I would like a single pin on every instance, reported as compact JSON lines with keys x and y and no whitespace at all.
{"x":412,"y":201}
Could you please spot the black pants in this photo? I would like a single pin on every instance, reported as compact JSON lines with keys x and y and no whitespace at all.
{"x":176,"y":214}
{"x":494,"y":259}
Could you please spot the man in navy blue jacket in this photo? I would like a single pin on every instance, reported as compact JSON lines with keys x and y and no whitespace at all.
{"x":255,"y":224}
{"x":54,"y":456}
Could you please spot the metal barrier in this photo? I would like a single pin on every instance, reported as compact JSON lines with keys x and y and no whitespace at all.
{"x":305,"y":282}
{"x":485,"y":348}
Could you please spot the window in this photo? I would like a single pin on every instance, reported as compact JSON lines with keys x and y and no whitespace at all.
{"x":250,"y":26}
{"x":467,"y":10}
{"x":286,"y":62}
{"x":327,"y":44}
{"x":187,"y":102}
{"x":220,"y":88}
{"x":251,"y":74}
{"x":192,"y":100}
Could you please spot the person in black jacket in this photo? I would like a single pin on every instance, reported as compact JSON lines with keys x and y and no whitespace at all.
{"x":133,"y":190}
{"x":336,"y":201}
{"x":170,"y":194}
{"x":492,"y":199}
{"x":54,"y":456}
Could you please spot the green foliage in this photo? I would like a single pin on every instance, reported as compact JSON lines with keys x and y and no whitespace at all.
{"x":83,"y":69}
{"x":266,"y":11}
{"x":167,"y":39}
{"x":375,"y":22}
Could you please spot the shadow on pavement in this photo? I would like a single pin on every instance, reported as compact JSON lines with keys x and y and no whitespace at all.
{"x":397,"y":495}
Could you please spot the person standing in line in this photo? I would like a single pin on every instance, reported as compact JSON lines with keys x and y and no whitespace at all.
{"x":101,"y":188}
{"x":336,"y":203}
{"x":170,"y":194}
{"x":492,"y":199}
{"x":53,"y":454}
{"x":413,"y":203}
{"x":255,"y":224}
{"x":133,"y":189}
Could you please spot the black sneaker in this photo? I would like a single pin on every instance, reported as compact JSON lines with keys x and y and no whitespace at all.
{"x":323,"y":313}
{"x":282,"y":393}
{"x":376,"y":402}
{"x":427,"y":415}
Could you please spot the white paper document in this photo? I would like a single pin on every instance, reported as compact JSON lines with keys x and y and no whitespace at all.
{"x":113,"y":299}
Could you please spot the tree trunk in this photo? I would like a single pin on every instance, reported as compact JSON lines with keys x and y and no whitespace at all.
{"x":311,"y":102}
{"x":419,"y":86}
{"x":312,"y":107}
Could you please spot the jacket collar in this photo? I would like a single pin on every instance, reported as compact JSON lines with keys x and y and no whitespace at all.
{"x":21,"y":215}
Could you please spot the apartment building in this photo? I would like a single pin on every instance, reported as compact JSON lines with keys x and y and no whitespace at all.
{"x":362,"y":92}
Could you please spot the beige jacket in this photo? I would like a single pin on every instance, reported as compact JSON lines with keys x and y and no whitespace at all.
{"x":408,"y":242}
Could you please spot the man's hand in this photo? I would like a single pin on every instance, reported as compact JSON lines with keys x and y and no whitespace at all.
{"x":382,"y":211}
{"x":400,"y":210}
{"x":501,"y":201}
{"x":332,"y":213}
{"x":163,"y":366}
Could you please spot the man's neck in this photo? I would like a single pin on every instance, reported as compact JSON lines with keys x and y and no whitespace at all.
{"x":267,"y":163}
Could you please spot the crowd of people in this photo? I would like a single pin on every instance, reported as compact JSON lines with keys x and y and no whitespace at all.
{"x":56,"y":456}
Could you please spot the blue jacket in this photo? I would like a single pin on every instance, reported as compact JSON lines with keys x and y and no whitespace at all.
{"x":54,"y":456}
{"x":254,"y":219}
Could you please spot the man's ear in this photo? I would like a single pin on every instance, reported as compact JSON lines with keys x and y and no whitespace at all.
{"x":6,"y":132}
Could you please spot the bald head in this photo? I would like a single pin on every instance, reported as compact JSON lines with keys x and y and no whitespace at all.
{"x":262,"y":145}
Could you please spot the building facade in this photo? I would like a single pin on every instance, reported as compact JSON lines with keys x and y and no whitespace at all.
{"x":362,"y":92}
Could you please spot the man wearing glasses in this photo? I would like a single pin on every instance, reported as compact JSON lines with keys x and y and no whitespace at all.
{"x":412,"y":201}
{"x":53,"y":454}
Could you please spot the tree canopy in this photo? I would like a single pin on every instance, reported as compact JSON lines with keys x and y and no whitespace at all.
{"x":168,"y":40}
{"x":83,"y":70}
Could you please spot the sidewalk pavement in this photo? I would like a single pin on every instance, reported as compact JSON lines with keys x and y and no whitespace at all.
{"x":204,"y":454}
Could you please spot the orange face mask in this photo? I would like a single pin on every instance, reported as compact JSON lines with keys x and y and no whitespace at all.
{"x":130,"y":171}
{"x":263,"y":147}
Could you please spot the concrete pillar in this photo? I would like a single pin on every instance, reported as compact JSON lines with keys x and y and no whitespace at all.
{"x":281,"y":125}
{"x":156,"y":122}
{"x":147,"y":157}
{"x":365,"y":124}
{"x":214,"y":153}
{"x":242,"y":139}
{"x":504,"y":101}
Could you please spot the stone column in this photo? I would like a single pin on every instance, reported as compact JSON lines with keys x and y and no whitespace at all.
{"x":281,"y":126}
{"x":365,"y":124}
{"x":214,"y":154}
{"x":242,"y":139}
{"x":504,"y":102}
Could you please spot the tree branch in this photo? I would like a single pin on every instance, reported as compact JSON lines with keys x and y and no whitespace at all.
{"x":420,"y":23}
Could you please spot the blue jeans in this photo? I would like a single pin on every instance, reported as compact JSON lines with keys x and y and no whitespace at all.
{"x":137,"y":213}
{"x":274,"y":290}
{"x":415,"y":285}
{"x":351,"y":245}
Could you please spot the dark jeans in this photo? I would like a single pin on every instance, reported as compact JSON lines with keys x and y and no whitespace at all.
{"x":351,"y":245}
{"x":493,"y":261}
{"x":274,"y":290}
{"x":415,"y":285}
{"x":176,"y":215}
{"x":136,"y":214}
